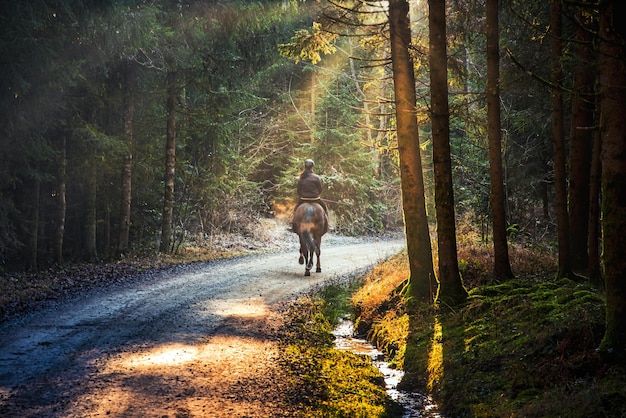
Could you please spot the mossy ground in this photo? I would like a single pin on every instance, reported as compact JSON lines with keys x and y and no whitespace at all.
{"x":523,"y":348}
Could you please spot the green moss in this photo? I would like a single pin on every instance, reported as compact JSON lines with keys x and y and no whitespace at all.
{"x":335,"y":300}
{"x":328,"y":382}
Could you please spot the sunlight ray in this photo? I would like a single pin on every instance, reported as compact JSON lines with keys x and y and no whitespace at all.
{"x":435,"y":357}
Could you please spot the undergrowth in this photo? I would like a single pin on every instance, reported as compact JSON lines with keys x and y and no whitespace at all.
{"x":379,"y":309}
{"x":525,"y":348}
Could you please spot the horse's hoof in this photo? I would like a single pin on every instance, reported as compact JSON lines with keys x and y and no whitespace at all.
{"x":301,"y":259}
{"x":307,"y":272}
{"x":318,"y":270}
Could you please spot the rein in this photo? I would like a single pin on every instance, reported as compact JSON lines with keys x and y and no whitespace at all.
{"x":334,"y":201}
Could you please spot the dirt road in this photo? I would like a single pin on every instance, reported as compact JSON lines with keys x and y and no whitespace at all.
{"x":197,"y":344}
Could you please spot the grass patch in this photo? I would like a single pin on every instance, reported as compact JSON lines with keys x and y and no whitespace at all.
{"x":380,"y":309}
{"x":329,"y":382}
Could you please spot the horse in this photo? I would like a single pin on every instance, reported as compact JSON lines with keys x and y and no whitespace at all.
{"x":310,"y":223}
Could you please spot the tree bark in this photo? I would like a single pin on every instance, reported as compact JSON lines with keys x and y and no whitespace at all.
{"x":612,"y":68}
{"x":127,"y":167}
{"x":558,"y":133}
{"x":91,"y":219}
{"x":61,"y":201}
{"x":593,"y":245}
{"x":422,"y":279}
{"x":581,"y":144}
{"x":170,"y":164}
{"x":107,"y":245}
{"x":451,"y":290}
{"x":502,"y":266}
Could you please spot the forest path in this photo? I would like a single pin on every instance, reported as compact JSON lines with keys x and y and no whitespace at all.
{"x":201,"y":343}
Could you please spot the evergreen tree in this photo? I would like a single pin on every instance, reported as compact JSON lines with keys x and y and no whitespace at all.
{"x":612,"y":55}
{"x":502,"y":266}
{"x":451,"y":290}
{"x":422,"y":279}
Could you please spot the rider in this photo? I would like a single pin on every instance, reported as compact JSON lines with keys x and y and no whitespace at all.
{"x":310,"y":187}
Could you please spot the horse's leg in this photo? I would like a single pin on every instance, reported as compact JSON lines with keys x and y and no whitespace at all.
{"x":309,"y":262}
{"x":318,"y":250}
{"x":302,"y":248}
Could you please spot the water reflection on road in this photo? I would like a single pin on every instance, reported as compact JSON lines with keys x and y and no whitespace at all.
{"x":416,"y":405}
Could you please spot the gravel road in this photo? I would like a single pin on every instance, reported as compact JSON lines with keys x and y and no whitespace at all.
{"x":197,"y":343}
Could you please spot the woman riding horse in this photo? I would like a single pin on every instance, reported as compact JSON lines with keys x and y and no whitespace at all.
{"x":309,"y":189}
{"x":310,"y":220}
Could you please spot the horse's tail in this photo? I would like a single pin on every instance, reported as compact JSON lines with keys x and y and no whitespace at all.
{"x":310,"y":243}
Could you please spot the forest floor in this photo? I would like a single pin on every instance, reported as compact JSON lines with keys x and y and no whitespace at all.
{"x":164,"y":338}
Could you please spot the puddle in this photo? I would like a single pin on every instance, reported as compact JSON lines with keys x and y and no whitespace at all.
{"x":416,"y":405}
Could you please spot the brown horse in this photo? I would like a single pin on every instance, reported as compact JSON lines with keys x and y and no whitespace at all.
{"x":310,"y":223}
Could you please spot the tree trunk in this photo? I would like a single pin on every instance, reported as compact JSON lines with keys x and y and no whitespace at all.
{"x":451,"y":290}
{"x":107,"y":245}
{"x":170,"y":164}
{"x":612,"y":65}
{"x":127,"y":167}
{"x":422,"y":282}
{"x":581,"y":144}
{"x":595,"y":274}
{"x":59,"y":232}
{"x":558,"y":133}
{"x":91,"y":219}
{"x":502,"y":266}
{"x":27,"y":200}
